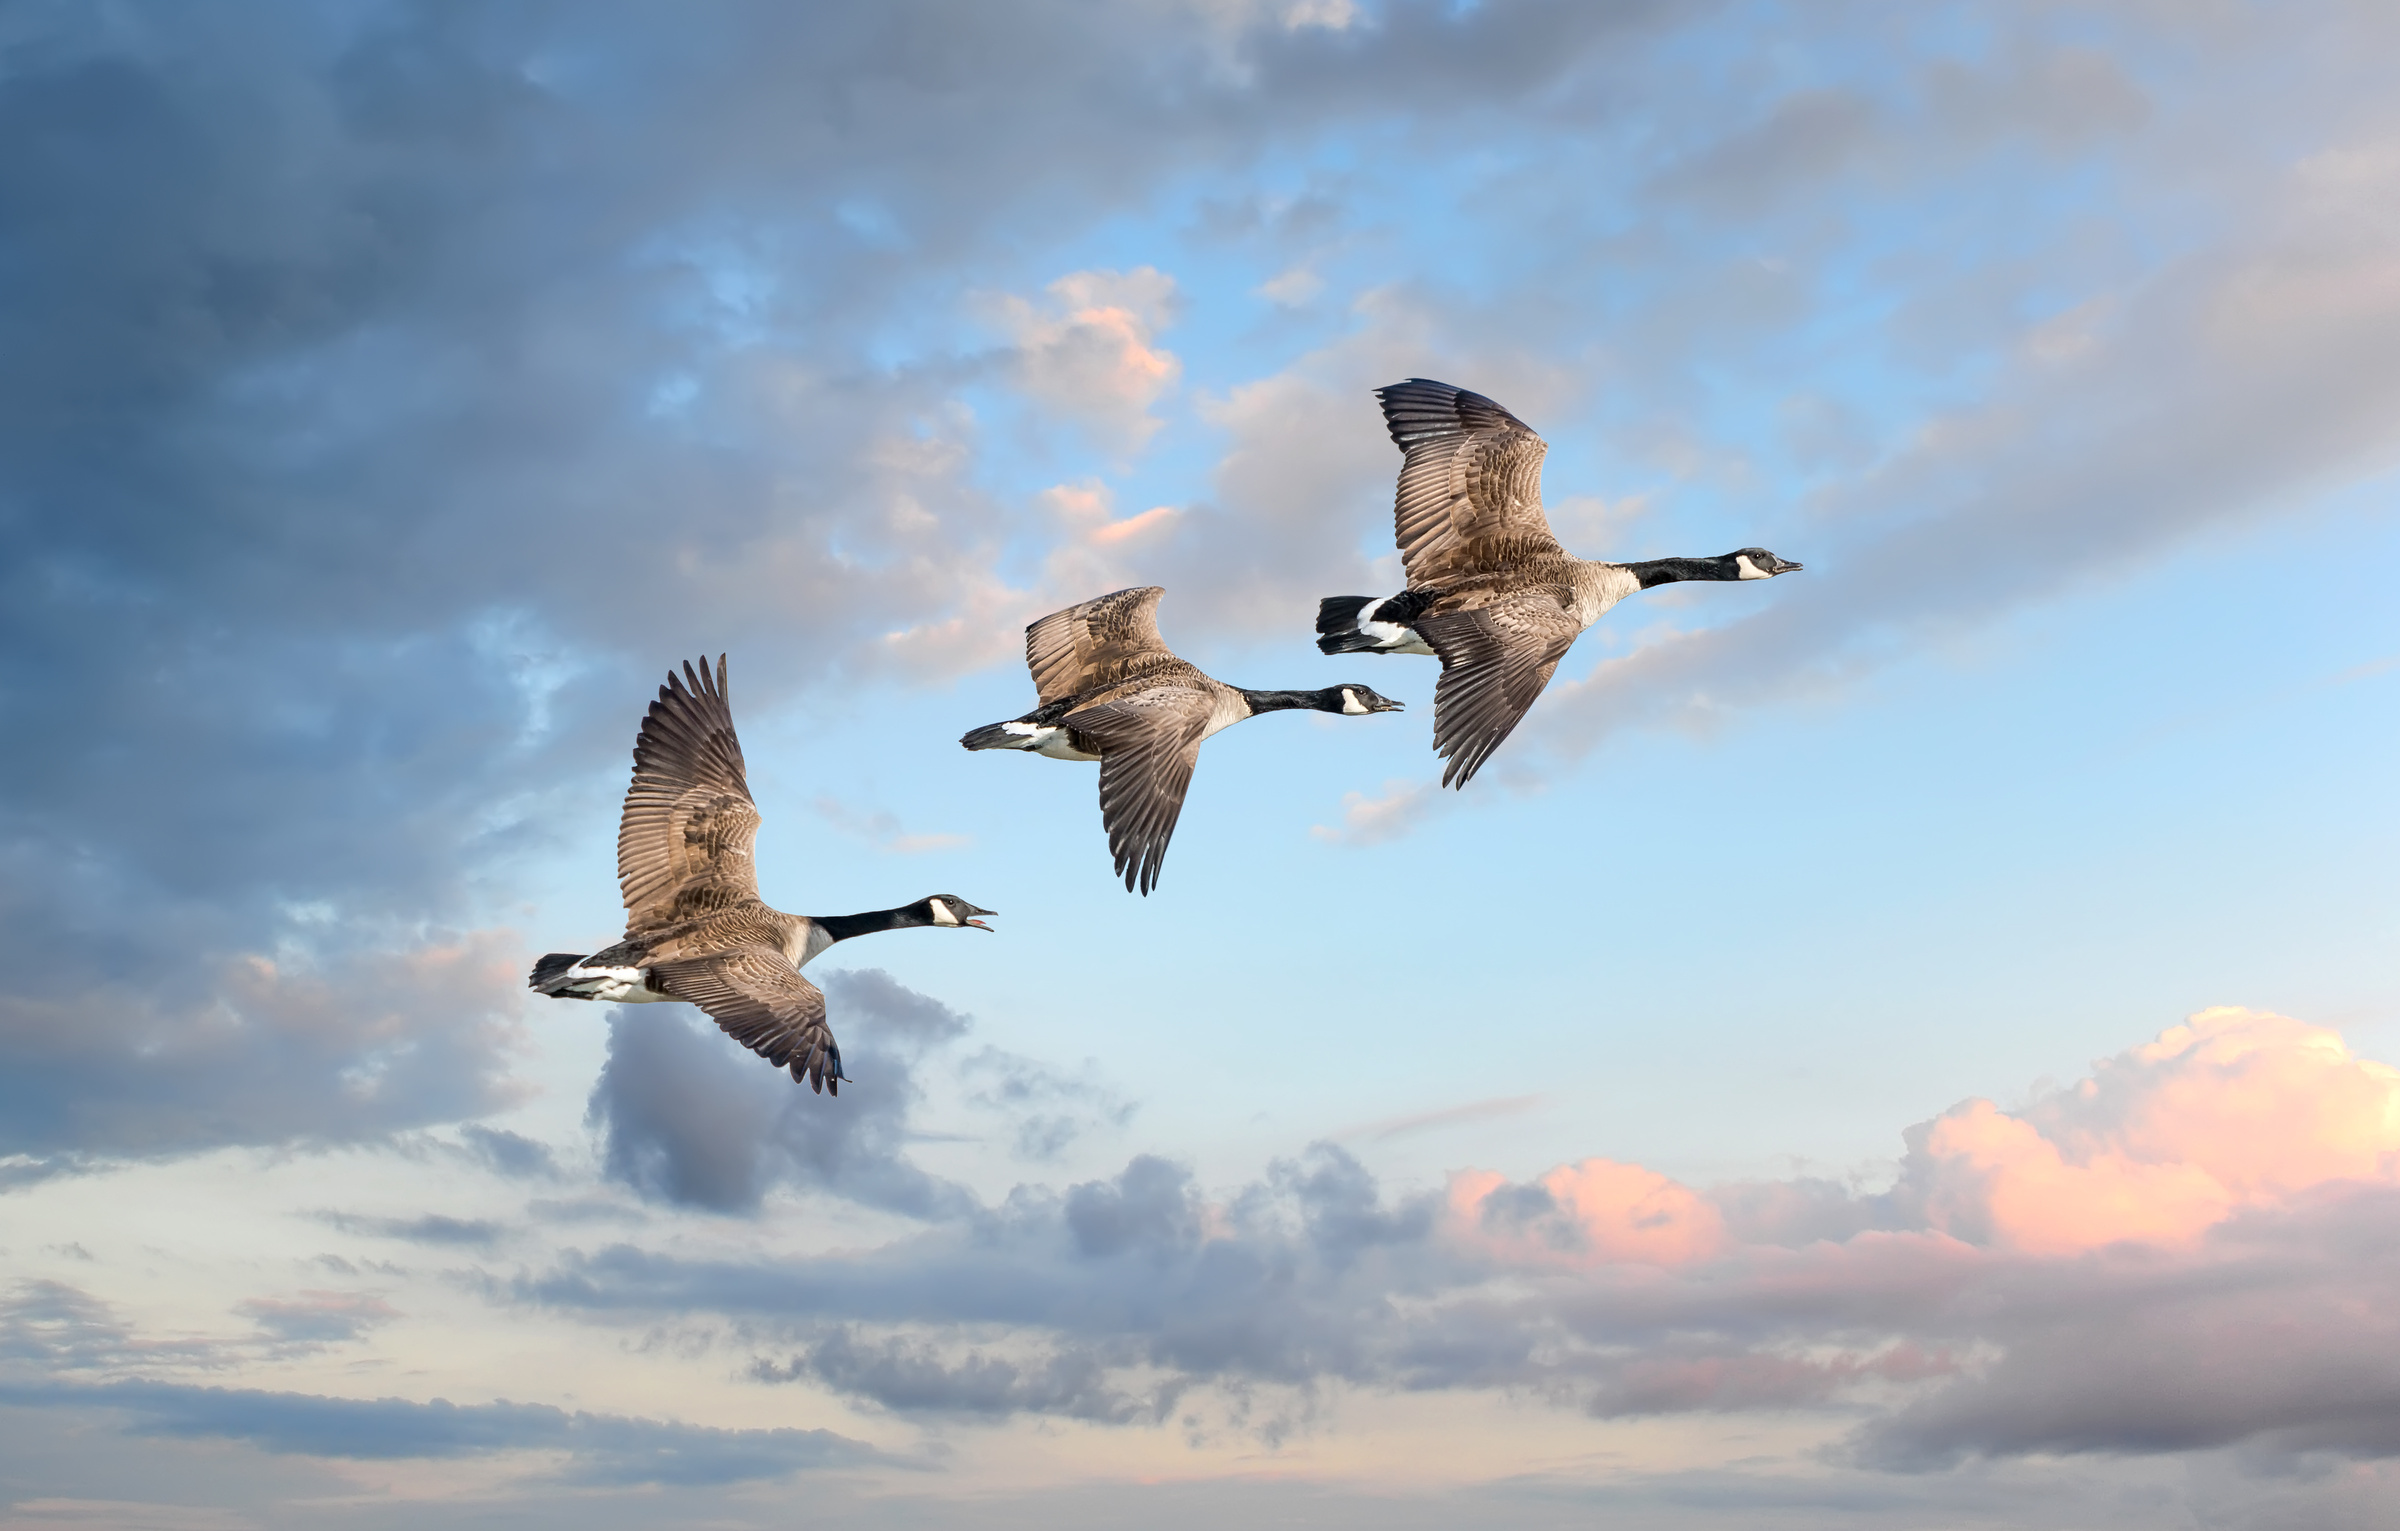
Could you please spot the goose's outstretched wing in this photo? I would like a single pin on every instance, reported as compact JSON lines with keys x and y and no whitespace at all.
{"x":1149,"y":743}
{"x":763,"y":1003}
{"x":683,"y":844}
{"x":1495,"y":660}
{"x":1470,"y":497}
{"x":1097,"y":643}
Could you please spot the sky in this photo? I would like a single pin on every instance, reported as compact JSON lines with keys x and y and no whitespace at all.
{"x":1905,"y":1045}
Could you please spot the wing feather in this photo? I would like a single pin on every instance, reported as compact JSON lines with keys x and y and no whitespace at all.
{"x":684,"y":840}
{"x":1149,"y":743}
{"x":1495,"y":660}
{"x":1101,"y":642}
{"x":1470,"y":494}
{"x":762,"y":1002}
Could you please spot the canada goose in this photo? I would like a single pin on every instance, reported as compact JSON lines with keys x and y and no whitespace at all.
{"x":1490,"y":592}
{"x":1111,"y":691}
{"x":695,"y":928}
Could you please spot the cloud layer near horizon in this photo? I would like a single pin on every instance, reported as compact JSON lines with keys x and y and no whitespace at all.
{"x":2063,"y":1277}
{"x":2183,"y":1252}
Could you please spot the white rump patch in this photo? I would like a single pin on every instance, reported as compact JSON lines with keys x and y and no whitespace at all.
{"x":1391,"y":637}
{"x":1053,"y":742}
{"x":613,"y":986}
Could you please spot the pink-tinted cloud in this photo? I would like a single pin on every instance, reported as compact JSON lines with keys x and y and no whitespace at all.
{"x":1592,"y":1213}
{"x":1088,"y":353}
{"x":2232,"y":1109}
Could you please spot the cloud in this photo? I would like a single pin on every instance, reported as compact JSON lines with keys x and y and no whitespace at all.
{"x":883,"y":830}
{"x":1372,"y":820}
{"x":2209,"y":395}
{"x":602,"y":1450}
{"x":1428,"y":1121}
{"x":314,"y":1319}
{"x":431,"y":1228}
{"x":1051,"y":1109}
{"x":689,"y":1117}
{"x":1983,"y":1304}
{"x":1087,"y":352}
{"x":267,"y":1049}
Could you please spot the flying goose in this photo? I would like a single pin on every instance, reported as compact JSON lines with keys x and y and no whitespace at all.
{"x":1490,"y":592}
{"x":695,"y":928}
{"x":1111,"y":691}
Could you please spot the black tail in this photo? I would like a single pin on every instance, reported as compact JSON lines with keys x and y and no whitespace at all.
{"x":993,"y":736}
{"x":548,"y":971}
{"x":1339,"y":613}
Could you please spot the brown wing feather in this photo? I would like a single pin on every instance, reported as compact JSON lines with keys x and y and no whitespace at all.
{"x":1470,"y":496}
{"x":1148,"y":744}
{"x":684,"y":842}
{"x":1495,"y":660}
{"x":1101,"y":642}
{"x":763,"y":1003}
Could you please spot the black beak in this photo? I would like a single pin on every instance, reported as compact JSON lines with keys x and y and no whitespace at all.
{"x":978,"y":924}
{"x":1786,"y":566}
{"x":1388,"y":705}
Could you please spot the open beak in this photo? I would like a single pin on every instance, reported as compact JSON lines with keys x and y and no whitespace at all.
{"x":1786,"y":566}
{"x":1388,"y":705}
{"x":978,"y":924}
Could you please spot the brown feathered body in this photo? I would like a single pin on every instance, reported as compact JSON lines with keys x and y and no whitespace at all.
{"x":695,"y":927}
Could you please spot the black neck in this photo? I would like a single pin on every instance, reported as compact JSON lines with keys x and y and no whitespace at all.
{"x":1666,"y":571}
{"x":841,"y":927}
{"x":1327,"y":700}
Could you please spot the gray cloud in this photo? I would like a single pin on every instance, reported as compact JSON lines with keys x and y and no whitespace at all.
{"x":356,"y":349}
{"x":1051,"y":1109}
{"x":431,"y":1228}
{"x":1120,"y":1297}
{"x":689,"y":1117}
{"x":602,"y":1449}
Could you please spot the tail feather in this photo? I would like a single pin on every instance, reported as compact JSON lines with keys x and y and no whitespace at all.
{"x":993,"y":736}
{"x":549,"y":973}
{"x":1337,"y":624}
{"x":1340,"y":613}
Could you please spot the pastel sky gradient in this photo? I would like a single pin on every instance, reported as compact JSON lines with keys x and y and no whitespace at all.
{"x":1900,"y":1046}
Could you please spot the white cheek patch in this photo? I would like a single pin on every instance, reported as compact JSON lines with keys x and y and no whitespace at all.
{"x":942,"y":914}
{"x":1351,"y":704}
{"x":1749,"y":569}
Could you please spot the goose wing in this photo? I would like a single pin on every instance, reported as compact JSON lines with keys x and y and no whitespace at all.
{"x":683,"y":844}
{"x":763,"y":1003}
{"x":1470,"y":496}
{"x":1495,"y":660}
{"x":1102,"y":642}
{"x":1148,"y":744}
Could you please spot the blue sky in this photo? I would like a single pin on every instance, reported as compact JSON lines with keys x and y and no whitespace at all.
{"x":1764,"y":1096}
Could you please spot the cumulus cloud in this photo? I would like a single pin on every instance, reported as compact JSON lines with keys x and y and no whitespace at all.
{"x":688,"y":1117}
{"x":1087,"y":352}
{"x":1985,"y":1303}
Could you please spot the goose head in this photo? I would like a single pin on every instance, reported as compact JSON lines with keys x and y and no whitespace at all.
{"x":950,"y":909}
{"x":1758,"y":563}
{"x":1356,"y":701}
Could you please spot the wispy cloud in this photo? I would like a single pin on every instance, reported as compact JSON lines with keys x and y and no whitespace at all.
{"x":1386,"y":1128}
{"x":882,"y":829}
{"x":1403,"y":806}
